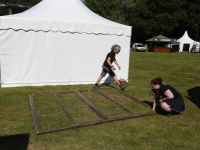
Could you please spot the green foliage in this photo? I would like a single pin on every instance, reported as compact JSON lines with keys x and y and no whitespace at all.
{"x":151,"y":18}
{"x":4,"y":10}
{"x":110,"y":9}
{"x":24,"y":2}
{"x":192,"y":22}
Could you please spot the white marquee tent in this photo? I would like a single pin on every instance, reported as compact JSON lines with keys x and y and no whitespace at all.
{"x":59,"y":42}
{"x":185,"y":39}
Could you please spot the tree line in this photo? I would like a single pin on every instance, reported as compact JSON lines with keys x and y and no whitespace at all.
{"x":148,"y":18}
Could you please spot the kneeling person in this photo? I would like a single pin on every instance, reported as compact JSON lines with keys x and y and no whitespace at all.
{"x":171,"y":100}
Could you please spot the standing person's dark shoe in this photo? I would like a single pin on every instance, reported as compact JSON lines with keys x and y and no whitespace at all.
{"x":122,"y":86}
{"x":96,"y":87}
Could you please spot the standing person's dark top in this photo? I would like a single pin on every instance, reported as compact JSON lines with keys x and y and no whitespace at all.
{"x":112,"y":56}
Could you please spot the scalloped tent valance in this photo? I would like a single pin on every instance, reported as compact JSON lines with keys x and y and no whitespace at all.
{"x":63,"y":16}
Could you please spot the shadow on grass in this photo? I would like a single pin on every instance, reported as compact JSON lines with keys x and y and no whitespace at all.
{"x":194,"y":95}
{"x":159,"y":110}
{"x":148,"y":103}
{"x":106,"y":85}
{"x":14,"y":142}
{"x":107,"y":82}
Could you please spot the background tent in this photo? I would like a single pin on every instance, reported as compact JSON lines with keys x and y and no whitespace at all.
{"x":186,"y":42}
{"x":153,"y":42}
{"x":58,"y":43}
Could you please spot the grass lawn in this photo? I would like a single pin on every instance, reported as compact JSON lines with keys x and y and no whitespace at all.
{"x":156,"y":132}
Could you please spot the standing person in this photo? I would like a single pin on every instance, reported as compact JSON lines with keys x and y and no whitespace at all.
{"x":166,"y":97}
{"x":108,"y":67}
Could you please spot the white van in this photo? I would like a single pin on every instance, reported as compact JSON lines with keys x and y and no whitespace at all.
{"x":138,"y":47}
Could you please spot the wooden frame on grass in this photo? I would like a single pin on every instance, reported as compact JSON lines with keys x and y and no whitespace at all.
{"x":102,"y":115}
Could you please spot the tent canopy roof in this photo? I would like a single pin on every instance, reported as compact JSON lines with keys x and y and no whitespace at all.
{"x":156,"y":37}
{"x":185,"y":38}
{"x":64,"y":16}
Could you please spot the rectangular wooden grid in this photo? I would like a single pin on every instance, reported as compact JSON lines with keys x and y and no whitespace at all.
{"x":99,"y":111}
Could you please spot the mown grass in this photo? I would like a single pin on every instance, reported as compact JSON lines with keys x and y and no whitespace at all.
{"x":154,"y":132}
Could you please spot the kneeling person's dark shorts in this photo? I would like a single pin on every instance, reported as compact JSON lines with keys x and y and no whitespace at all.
{"x":107,"y":70}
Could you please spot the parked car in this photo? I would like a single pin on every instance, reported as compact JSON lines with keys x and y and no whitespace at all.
{"x":138,"y":47}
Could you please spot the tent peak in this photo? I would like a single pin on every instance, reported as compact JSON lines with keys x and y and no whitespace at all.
{"x":153,"y":38}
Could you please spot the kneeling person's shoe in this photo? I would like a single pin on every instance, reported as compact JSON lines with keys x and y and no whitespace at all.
{"x":122,"y":87}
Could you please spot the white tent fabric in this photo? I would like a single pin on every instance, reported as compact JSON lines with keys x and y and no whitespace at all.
{"x":64,"y":16}
{"x":185,"y":39}
{"x":59,"y":43}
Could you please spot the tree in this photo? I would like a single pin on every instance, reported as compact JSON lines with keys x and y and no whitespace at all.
{"x":151,"y":18}
{"x":4,"y":10}
{"x":192,"y":22}
{"x":110,"y":9}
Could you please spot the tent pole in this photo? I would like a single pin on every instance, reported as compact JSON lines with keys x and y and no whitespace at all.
{"x":10,"y":11}
{"x":192,"y":49}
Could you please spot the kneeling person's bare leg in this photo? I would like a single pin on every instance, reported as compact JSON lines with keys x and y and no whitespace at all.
{"x":165,"y":107}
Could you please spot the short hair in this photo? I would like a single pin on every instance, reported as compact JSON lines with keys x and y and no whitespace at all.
{"x":156,"y":81}
{"x":114,"y":46}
